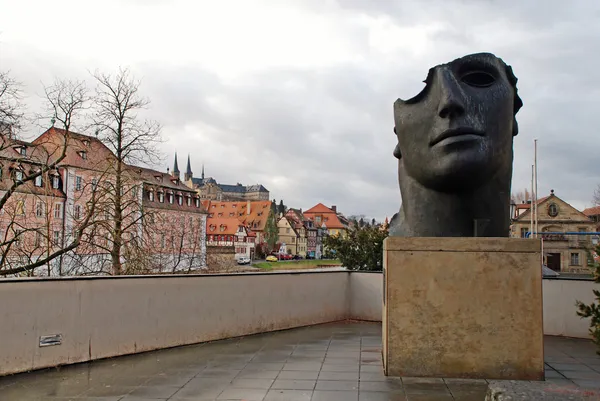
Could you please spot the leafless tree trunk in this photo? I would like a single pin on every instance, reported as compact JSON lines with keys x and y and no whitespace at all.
{"x":117,"y":103}
{"x":11,"y":104}
{"x":65,"y":100}
{"x":521,"y":196}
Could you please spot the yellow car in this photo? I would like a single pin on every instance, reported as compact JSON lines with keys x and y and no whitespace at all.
{"x":271,"y":258}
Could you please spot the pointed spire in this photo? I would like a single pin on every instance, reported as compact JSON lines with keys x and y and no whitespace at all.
{"x":189,"y":166}
{"x":175,"y":171}
{"x":202,"y":171}
{"x":188,"y":171}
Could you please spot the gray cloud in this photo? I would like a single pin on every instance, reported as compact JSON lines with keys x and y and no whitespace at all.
{"x":324,"y":134}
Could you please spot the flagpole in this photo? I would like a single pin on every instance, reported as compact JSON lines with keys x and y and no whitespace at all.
{"x":531,"y":230}
{"x":536,"y":186}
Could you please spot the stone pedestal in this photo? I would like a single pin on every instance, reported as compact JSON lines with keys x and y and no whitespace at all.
{"x":463,"y":308}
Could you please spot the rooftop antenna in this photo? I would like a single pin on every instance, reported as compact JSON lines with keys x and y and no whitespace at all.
{"x":53,"y":121}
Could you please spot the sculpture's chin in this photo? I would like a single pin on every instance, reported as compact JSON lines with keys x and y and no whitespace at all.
{"x":459,"y":175}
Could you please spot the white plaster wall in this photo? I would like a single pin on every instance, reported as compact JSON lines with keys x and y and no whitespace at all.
{"x":366,"y":296}
{"x":104,"y":317}
{"x":560,"y":312}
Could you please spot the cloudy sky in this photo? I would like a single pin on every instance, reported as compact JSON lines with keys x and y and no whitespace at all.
{"x":297,"y":95}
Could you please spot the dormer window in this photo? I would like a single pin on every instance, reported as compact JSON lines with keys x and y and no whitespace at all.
{"x":86,"y":143}
{"x":22,"y":150}
{"x":223,"y":227}
{"x":83,"y":154}
{"x":170,"y":198}
{"x":179,"y":200}
{"x":151,"y":196}
{"x":161,"y":197}
{"x":212,"y":227}
{"x":197,"y":202}
{"x":19,"y":175}
{"x":38,"y":181}
{"x":55,"y":182}
{"x":158,"y":178}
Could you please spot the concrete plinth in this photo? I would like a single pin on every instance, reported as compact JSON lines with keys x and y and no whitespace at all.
{"x":463,"y":308}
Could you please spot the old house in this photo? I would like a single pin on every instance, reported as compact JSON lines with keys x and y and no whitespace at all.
{"x":230,"y":232}
{"x":556,"y":219}
{"x":328,"y":218}
{"x":252,"y":214}
{"x":288,"y":234}
{"x":163,"y":220}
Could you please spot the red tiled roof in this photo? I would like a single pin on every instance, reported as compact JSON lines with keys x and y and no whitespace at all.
{"x":222,"y":226}
{"x":330,"y":218}
{"x":255,"y":220}
{"x":319,"y":208}
{"x":592,"y":211}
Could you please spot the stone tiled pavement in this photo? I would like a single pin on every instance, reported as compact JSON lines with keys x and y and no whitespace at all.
{"x":338,"y":361}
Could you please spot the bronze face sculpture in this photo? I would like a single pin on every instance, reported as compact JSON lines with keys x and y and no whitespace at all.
{"x":455,"y":150}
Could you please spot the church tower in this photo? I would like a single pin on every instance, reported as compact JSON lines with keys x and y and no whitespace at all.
{"x":188,"y":171}
{"x":175,"y":172}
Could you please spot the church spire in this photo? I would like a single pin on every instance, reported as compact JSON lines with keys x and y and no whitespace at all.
{"x":188,"y":171}
{"x":175,"y":172}
{"x":202,"y":171}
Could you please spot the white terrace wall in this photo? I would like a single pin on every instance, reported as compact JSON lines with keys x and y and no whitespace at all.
{"x":105,"y":317}
{"x":560,"y":312}
{"x":102,"y":317}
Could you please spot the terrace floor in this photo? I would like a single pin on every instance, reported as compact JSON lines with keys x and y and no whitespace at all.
{"x":337,"y":361}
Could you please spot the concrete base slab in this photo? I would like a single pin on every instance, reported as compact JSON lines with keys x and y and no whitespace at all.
{"x":463,"y":308}
{"x":513,"y":391}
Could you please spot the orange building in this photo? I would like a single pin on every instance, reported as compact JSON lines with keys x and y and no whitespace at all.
{"x":252,"y":214}
{"x":328,"y":218}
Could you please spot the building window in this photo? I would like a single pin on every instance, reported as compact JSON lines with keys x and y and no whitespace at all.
{"x":39,"y":209}
{"x":57,"y":210}
{"x":20,"y":210}
{"x":38,"y":181}
{"x":23,"y":151}
{"x":189,"y":201}
{"x":94,"y":183}
{"x":197,"y":202}
{"x":170,"y":198}
{"x":575,"y":259}
{"x":77,"y":211}
{"x":287,"y":230}
{"x":151,"y":196}
{"x":55,"y":182}
{"x":318,"y":219}
{"x":83,"y":155}
{"x":78,"y":183}
{"x":162,"y":240}
{"x":38,"y":239}
{"x":179,"y":200}
{"x":56,"y":237}
{"x":19,"y":175}
{"x":553,"y":210}
{"x":524,"y":232}
{"x":161,"y":197}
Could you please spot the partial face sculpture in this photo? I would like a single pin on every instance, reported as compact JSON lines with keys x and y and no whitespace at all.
{"x":458,"y":132}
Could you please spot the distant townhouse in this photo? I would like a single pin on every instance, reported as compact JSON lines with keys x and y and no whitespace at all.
{"x":328,"y":218}
{"x":252,"y":214}
{"x":562,"y":252}
{"x":230,"y":232}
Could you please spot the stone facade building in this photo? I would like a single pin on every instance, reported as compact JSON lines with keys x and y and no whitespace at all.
{"x":163,"y":219}
{"x":563,"y":252}
{"x":208,"y":188}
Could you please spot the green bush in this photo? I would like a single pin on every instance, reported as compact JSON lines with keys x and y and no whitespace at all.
{"x":361,"y":249}
{"x":593,"y":310}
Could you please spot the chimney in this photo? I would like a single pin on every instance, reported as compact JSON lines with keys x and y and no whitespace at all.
{"x":248,"y":204}
{"x":334,"y":208}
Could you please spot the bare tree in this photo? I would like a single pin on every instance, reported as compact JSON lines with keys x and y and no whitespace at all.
{"x":133,"y":141}
{"x":596,"y":197}
{"x":521,"y":196}
{"x":28,"y":240}
{"x":11,"y":104}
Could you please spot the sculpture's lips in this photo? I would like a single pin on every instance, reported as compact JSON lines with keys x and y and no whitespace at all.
{"x":467,"y":133}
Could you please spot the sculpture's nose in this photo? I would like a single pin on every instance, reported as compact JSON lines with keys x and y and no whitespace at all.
{"x":452,"y":103}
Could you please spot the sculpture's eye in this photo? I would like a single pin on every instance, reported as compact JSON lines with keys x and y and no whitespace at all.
{"x":478,"y":79}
